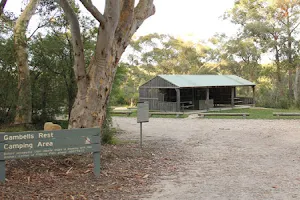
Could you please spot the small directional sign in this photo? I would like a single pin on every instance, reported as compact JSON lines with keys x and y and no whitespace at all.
{"x":142,"y":116}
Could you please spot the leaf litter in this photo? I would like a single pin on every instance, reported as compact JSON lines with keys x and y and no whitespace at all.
{"x":127,"y":172}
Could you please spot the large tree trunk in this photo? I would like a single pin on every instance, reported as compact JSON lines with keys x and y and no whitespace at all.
{"x":24,"y":105}
{"x":91,"y":110}
{"x":290,"y":70}
{"x":119,"y":22}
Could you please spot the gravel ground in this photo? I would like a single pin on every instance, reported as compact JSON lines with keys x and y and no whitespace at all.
{"x":225,"y":159}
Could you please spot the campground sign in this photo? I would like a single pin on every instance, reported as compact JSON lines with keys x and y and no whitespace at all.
{"x":18,"y":145}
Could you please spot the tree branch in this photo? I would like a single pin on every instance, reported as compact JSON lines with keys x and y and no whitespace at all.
{"x":295,"y":28}
{"x":93,"y":10}
{"x":2,"y":5}
{"x":141,"y":12}
{"x":39,"y":26}
{"x":144,"y":9}
{"x":126,"y":18}
{"x":78,"y":50}
{"x":283,"y":22}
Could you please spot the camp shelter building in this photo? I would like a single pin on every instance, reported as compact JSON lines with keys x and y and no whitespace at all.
{"x":194,"y":92}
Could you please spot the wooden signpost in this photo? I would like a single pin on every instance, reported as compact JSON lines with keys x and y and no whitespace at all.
{"x":142,"y":116}
{"x":16,"y":145}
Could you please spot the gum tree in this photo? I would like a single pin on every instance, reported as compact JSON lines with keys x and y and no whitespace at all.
{"x":120,"y":20}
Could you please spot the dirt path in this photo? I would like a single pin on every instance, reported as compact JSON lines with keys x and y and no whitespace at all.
{"x":227,"y":159}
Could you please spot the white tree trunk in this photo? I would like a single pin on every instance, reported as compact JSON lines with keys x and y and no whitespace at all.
{"x":24,"y":105}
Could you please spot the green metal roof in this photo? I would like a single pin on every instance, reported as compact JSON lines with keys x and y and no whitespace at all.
{"x":206,"y":80}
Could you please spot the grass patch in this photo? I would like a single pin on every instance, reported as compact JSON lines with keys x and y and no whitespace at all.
{"x":134,"y":114}
{"x":255,"y":113}
{"x":152,"y":116}
{"x":170,"y":116}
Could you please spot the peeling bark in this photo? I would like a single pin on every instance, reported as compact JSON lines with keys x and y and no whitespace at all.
{"x":117,"y":25}
{"x":24,"y":105}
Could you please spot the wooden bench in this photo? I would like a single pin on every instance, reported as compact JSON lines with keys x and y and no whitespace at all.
{"x":285,"y":114}
{"x":238,"y":102}
{"x":122,"y":112}
{"x":165,"y":113}
{"x":132,"y":108}
{"x":186,"y":105}
{"x":223,"y":114}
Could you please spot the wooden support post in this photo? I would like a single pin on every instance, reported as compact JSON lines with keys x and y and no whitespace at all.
{"x":178,"y":99}
{"x":193,"y":98}
{"x":207,"y":94}
{"x":235,"y":92}
{"x":232,"y":96}
{"x":207,"y":98}
{"x":253,"y":91}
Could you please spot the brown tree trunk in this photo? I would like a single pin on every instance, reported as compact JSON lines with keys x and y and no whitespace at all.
{"x":290,"y":70}
{"x":24,"y":105}
{"x":290,"y":56}
{"x":277,"y":62}
{"x":297,"y":86}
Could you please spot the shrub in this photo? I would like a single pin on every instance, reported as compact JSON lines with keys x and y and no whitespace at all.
{"x":107,"y":131}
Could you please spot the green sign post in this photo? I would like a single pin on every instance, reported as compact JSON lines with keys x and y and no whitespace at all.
{"x":17,"y":145}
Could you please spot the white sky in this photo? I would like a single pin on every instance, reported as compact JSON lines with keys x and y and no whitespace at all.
{"x":188,"y":19}
{"x":194,"y":19}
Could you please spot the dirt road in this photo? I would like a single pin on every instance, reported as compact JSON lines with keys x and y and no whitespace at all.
{"x":227,"y":159}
